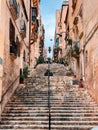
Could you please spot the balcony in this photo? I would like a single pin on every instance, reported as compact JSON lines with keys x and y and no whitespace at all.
{"x":33,"y":38}
{"x":34,"y":11}
{"x":13,"y":49}
{"x":13,"y":8}
{"x":69,"y":41}
{"x":22,"y":29}
{"x":75,"y":49}
{"x":34,"y":14}
{"x":33,"y":18}
{"x":35,"y":3}
{"x":74,"y":2}
{"x":76,"y":19}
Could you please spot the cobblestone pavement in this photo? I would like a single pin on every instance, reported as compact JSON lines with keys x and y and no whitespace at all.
{"x":72,"y":108}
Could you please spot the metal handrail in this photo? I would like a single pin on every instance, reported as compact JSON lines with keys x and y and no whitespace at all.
{"x":49,"y":105}
{"x":9,"y":87}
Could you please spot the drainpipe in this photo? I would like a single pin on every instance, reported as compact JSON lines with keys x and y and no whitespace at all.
{"x":83,"y":48}
{"x":29,"y":30}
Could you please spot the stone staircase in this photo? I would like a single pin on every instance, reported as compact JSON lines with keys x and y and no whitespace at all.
{"x":72,"y":108}
{"x":27,"y":109}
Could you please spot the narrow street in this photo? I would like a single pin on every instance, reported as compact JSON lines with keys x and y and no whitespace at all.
{"x":71,"y":107}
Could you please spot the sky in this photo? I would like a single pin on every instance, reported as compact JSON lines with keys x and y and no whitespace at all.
{"x":48,"y":13}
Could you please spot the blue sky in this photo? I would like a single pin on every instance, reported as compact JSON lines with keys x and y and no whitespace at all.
{"x":48,"y":11}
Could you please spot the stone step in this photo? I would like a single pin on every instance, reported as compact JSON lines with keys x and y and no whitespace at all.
{"x":41,"y":115}
{"x":44,"y":119}
{"x":71,"y":108}
{"x":58,"y":101}
{"x":59,"y":118}
{"x":37,"y":109}
{"x":63,"y":114}
{"x":53,"y":122}
{"x":45,"y":98}
{"x":24,"y":127}
{"x":52,"y":111}
{"x":54,"y":102}
{"x":54,"y":127}
{"x":35,"y":104}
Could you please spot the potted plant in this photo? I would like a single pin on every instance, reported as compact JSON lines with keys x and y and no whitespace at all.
{"x":48,"y":73}
{"x":40,"y":60}
{"x":26,"y":71}
{"x":21,"y":79}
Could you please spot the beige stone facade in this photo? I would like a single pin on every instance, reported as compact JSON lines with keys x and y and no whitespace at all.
{"x":90,"y":46}
{"x":81,"y":23}
{"x":83,"y":19}
{"x":15,"y":43}
{"x":37,"y":34}
{"x":60,"y":31}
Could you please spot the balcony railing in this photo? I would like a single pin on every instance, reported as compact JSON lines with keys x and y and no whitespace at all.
{"x":33,"y":18}
{"x":34,"y":11}
{"x":13,"y":49}
{"x":22,"y":28}
{"x":13,"y":8}
{"x":76,"y":19}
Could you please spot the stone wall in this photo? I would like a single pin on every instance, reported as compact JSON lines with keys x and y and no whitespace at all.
{"x":10,"y":67}
{"x":91,"y":46}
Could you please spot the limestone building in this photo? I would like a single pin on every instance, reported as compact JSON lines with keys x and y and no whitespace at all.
{"x":16,"y":46}
{"x":82,"y":31}
{"x":37,"y":33}
{"x":81,"y":49}
{"x":60,"y":31}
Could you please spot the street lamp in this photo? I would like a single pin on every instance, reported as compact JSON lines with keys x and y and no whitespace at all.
{"x":49,"y":49}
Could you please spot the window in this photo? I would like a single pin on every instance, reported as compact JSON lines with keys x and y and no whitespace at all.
{"x":24,"y":9}
{"x":76,"y":19}
{"x":18,"y":46}
{"x":24,"y":56}
{"x":13,"y":46}
{"x":34,"y":11}
{"x":86,"y":58}
{"x":34,"y":14}
{"x":12,"y":32}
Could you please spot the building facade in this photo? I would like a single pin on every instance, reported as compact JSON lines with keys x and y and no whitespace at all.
{"x":81,"y":49}
{"x":16,"y":46}
{"x":90,"y":46}
{"x":37,"y":34}
{"x":84,"y":50}
{"x":60,"y":31}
